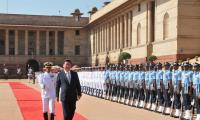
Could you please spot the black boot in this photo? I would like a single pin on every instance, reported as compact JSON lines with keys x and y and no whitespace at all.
{"x":52,"y":116}
{"x":45,"y":115}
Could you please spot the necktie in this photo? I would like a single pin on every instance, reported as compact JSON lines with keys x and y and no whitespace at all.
{"x":68,"y":76}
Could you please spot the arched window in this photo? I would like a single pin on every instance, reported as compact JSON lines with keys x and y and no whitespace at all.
{"x":139,"y":34}
{"x":166,"y":26}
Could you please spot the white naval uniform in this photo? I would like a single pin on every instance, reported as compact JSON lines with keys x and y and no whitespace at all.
{"x":30,"y":74}
{"x":5,"y":71}
{"x":47,"y":82}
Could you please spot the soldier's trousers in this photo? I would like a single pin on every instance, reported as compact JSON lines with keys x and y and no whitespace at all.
{"x":160,"y":97}
{"x":126,"y":92}
{"x":107,"y":88}
{"x":147,"y":96}
{"x":114,"y":93}
{"x":167,"y":98}
{"x":48,"y":104}
{"x":122,"y":89}
{"x":131,"y":92}
{"x":153,"y":96}
{"x":187,"y":101}
{"x":177,"y":100}
{"x":142,"y":95}
{"x":118,"y":91}
{"x":136,"y":93}
{"x":198,"y":105}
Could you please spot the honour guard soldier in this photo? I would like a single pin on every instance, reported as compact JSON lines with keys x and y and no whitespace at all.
{"x":159,"y":86}
{"x":152,"y":83}
{"x":30,"y":74}
{"x":176,"y":79}
{"x":110,"y":83}
{"x":19,"y":72}
{"x":141,"y":86}
{"x":196,"y":86}
{"x":47,"y":82}
{"x":117,"y":83}
{"x":126,"y":80}
{"x":131,"y":85}
{"x":147,"y":91}
{"x":113,"y":72}
{"x":136,"y":90}
{"x":102,"y":81}
{"x":5,"y":72}
{"x":187,"y":75}
{"x":122,"y":84}
{"x":106,"y":78}
{"x":115,"y":78}
{"x":167,"y":82}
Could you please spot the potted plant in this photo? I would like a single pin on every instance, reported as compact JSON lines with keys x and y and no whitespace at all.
{"x":124,"y":56}
{"x":152,"y":58}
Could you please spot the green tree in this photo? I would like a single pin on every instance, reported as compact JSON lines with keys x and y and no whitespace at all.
{"x":124,"y":56}
{"x":152,"y":58}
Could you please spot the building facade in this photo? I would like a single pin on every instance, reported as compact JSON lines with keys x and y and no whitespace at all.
{"x":168,"y":29}
{"x":32,"y":40}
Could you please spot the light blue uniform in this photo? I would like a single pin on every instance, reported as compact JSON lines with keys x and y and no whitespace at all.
{"x":126,"y":78}
{"x":136,"y":78}
{"x":147,"y":79}
{"x":167,"y":76}
{"x":132,"y":75}
{"x":176,"y":78}
{"x":159,"y":78}
{"x":106,"y":76}
{"x":122,"y":77}
{"x":130,"y":78}
{"x":113,"y":77}
{"x":196,"y":82}
{"x":152,"y":78}
{"x":141,"y":78}
{"x":117,"y":77}
{"x":186,"y":79}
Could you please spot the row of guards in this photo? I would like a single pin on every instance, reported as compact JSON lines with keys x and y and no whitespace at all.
{"x":31,"y":73}
{"x":170,"y":88}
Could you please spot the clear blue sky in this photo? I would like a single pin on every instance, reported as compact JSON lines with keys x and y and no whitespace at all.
{"x":48,"y":7}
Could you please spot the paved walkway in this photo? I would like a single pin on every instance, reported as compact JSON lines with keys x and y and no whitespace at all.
{"x":90,"y":107}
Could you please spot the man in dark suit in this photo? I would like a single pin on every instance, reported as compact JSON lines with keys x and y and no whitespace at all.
{"x":70,"y":86}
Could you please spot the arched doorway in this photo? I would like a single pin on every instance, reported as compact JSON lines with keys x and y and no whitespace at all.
{"x":33,"y":64}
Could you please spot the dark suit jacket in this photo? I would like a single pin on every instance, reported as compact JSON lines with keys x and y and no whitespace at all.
{"x":69,"y":91}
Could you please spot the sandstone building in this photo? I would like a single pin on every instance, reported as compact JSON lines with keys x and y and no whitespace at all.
{"x":168,"y":29}
{"x":34,"y":39}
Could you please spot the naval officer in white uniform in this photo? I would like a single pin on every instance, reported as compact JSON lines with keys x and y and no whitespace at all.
{"x":47,"y":82}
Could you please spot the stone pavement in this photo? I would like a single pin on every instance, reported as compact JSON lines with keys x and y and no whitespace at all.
{"x":90,"y":107}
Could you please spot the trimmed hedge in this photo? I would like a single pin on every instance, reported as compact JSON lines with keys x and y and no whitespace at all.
{"x":124,"y":56}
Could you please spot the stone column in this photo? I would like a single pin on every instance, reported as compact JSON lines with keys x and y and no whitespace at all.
{"x":106,"y":48}
{"x":47,"y":42}
{"x":105,"y":38}
{"x":121,"y":32}
{"x":37,"y":42}
{"x":56,"y":42}
{"x":95,"y":45}
{"x":118,"y":34}
{"x":114,"y":33}
{"x":129,"y":28}
{"x":111,"y":35}
{"x":97,"y":32}
{"x":134,"y":39}
{"x":108,"y":40}
{"x":16,"y":42}
{"x":7,"y":42}
{"x":26,"y":42}
{"x":125,"y":30}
